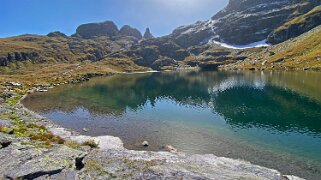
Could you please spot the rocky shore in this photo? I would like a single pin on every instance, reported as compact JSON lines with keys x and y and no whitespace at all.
{"x":32,"y":147}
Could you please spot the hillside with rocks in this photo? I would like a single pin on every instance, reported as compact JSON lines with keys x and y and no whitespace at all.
{"x":240,"y":22}
{"x":300,"y":53}
{"x":244,"y":22}
{"x":296,"y":26}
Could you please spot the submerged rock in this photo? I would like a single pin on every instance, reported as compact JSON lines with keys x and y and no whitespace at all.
{"x":170,"y":148}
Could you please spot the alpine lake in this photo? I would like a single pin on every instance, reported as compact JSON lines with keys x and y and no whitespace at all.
{"x":272,"y":119}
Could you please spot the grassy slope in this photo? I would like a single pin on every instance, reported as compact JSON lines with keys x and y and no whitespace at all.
{"x":51,"y":48}
{"x":303,"y":52}
{"x":301,"y":20}
{"x":61,"y":59}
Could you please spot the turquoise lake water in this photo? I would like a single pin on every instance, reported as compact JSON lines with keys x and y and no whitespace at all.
{"x":271,"y":119}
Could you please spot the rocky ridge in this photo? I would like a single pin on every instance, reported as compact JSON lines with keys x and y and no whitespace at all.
{"x":91,"y":30}
{"x":241,"y":22}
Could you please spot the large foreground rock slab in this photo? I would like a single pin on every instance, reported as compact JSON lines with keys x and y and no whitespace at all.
{"x":125,"y":164}
{"x":30,"y":163}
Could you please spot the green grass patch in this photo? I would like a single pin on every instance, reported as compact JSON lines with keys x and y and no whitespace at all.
{"x":91,"y":144}
{"x":13,"y":101}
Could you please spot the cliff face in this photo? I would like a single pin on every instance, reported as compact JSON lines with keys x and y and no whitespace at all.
{"x":244,"y":21}
{"x":296,"y":26}
{"x":106,"y":29}
{"x":92,"y":30}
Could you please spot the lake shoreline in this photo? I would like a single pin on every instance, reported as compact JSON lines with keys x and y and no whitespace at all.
{"x":113,"y":146}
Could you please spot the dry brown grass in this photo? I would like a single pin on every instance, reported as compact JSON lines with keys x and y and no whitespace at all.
{"x":303,"y":52}
{"x":54,"y":73}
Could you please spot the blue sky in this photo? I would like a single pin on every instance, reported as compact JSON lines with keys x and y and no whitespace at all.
{"x":43,"y":16}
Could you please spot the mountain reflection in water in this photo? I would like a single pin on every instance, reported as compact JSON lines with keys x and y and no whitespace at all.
{"x":268,"y":118}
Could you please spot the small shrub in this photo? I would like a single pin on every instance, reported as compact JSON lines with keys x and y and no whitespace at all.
{"x":86,"y":61}
{"x":47,"y":138}
{"x":91,"y":144}
{"x":13,"y":101}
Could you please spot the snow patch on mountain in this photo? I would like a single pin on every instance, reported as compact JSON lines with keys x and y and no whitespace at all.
{"x":246,"y":46}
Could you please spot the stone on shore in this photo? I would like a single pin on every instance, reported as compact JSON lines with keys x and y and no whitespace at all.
{"x":145,"y":143}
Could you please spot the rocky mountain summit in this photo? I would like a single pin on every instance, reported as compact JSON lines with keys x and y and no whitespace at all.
{"x":106,"y":29}
{"x":148,"y":34}
{"x":92,"y":30}
{"x":129,"y":31}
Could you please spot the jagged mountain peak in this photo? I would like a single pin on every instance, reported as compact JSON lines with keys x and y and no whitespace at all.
{"x":148,"y":34}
